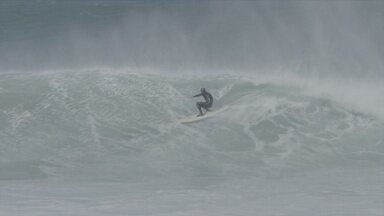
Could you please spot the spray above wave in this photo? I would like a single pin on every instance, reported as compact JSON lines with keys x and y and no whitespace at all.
{"x":322,"y":37}
{"x":98,"y":124}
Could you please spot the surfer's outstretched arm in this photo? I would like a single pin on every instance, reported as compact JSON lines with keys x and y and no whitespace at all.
{"x":198,"y":95}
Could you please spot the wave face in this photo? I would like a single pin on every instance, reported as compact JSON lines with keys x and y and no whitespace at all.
{"x":114,"y":125}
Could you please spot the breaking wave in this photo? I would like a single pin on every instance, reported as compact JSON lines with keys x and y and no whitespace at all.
{"x":115,"y":125}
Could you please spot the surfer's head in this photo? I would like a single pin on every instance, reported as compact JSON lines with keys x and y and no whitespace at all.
{"x":202,"y":90}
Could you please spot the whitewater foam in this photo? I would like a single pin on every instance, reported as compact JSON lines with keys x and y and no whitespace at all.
{"x":74,"y":121}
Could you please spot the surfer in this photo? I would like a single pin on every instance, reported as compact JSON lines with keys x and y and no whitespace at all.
{"x":208,"y":101}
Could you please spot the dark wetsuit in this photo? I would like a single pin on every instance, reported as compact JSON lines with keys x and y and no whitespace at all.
{"x":207,"y":104}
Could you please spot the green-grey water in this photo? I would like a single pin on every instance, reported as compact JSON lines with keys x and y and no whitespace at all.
{"x":92,"y":93}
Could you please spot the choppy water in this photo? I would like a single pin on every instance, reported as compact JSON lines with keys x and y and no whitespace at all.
{"x":122,"y":128}
{"x":295,"y":140}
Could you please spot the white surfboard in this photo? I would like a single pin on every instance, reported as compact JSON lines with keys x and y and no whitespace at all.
{"x":209,"y":114}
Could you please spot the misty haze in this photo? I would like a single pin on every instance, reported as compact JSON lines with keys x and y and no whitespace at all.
{"x":97,"y":114}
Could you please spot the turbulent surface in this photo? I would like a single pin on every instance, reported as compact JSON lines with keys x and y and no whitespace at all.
{"x":75,"y":129}
{"x":85,"y":123}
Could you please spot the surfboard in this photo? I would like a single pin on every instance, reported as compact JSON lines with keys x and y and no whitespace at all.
{"x":209,"y":114}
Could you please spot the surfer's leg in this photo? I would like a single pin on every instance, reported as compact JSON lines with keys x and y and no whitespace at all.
{"x":199,"y":105}
{"x":206,"y":106}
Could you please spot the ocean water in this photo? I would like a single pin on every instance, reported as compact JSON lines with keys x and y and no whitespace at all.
{"x":92,"y":92}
